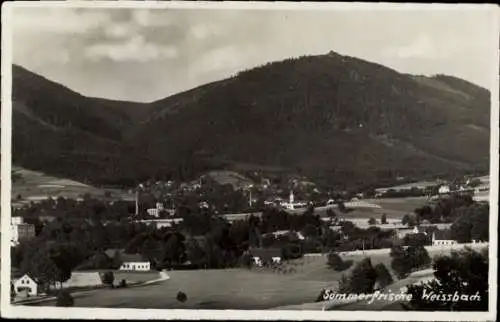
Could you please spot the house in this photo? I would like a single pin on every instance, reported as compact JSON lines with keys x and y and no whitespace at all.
{"x":157,"y":210}
{"x":442,"y":238}
{"x":296,"y":234}
{"x":401,"y":233}
{"x":19,"y":230}
{"x":263,"y":255}
{"x":25,"y":286}
{"x":129,"y":262}
{"x":444,"y":189}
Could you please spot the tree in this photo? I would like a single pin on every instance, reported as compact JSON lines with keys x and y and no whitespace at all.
{"x":384,"y":277}
{"x":344,"y":284}
{"x":418,"y":256}
{"x":400,"y":264}
{"x":64,"y":299}
{"x":362,"y":278}
{"x":330,"y":239}
{"x":419,"y":239}
{"x":409,"y":220}
{"x":123,"y":283}
{"x":383,"y":219}
{"x":41,"y":267}
{"x":404,"y":261}
{"x":337,"y":263}
{"x":108,"y":278}
{"x":245,"y":260}
{"x":331,"y":214}
{"x":372,"y":221}
{"x":463,"y":272}
{"x":12,"y":292}
{"x":334,"y":260}
{"x":175,"y":249}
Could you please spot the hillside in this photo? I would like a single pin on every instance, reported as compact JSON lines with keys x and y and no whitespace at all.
{"x":331,"y":117}
{"x":328,"y":113}
{"x":60,"y":132}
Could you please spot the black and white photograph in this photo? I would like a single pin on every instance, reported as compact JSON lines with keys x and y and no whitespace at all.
{"x":249,"y":161}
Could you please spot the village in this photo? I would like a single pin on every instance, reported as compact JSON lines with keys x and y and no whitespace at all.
{"x":356,"y":226}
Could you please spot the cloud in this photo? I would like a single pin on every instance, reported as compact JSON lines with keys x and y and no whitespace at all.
{"x":133,"y":49}
{"x":203,"y":31}
{"x":119,"y":30}
{"x":57,"y":21}
{"x":424,"y":47}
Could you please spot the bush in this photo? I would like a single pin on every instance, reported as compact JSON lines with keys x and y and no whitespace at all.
{"x":64,"y":299}
{"x":384,"y":277}
{"x":361,"y":280}
{"x":108,"y":278}
{"x":123,"y":283}
{"x":337,"y":263}
{"x":181,"y":297}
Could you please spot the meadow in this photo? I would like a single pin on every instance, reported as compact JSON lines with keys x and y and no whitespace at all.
{"x":33,"y":186}
{"x":227,"y":288}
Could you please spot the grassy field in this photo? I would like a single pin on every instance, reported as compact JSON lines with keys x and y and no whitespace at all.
{"x":234,"y":288}
{"x":227,"y":289}
{"x":35,"y":186}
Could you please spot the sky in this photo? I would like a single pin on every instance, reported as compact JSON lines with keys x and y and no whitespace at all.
{"x":148,"y":54}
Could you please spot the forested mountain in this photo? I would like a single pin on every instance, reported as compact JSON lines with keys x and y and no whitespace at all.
{"x":327,"y":116}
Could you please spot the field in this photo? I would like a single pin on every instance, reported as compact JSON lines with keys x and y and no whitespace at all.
{"x":227,"y":289}
{"x":237,"y":288}
{"x":36,"y":186}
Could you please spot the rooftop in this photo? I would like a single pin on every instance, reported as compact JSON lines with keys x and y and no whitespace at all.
{"x":266,"y":252}
{"x":442,"y":235}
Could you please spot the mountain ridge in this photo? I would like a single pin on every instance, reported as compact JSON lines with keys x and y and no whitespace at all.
{"x":329,"y":114}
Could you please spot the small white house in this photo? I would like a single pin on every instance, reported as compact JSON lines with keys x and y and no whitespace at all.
{"x":25,"y":286}
{"x":444,"y":189}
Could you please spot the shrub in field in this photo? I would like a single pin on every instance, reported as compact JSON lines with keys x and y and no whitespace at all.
{"x":108,"y":278}
{"x":181,"y":297}
{"x":361,"y":280}
{"x":384,"y":278}
{"x":123,"y":283}
{"x":337,"y":263}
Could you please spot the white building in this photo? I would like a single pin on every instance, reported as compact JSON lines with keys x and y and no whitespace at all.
{"x":134,"y":262}
{"x":157,"y":210}
{"x":292,"y":204}
{"x":129,"y":262}
{"x":20,"y":231}
{"x":136,"y":266}
{"x":444,"y":189}
{"x":25,"y":286}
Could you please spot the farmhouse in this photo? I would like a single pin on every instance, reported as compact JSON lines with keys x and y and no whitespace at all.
{"x":444,"y":189}
{"x":25,"y":286}
{"x":129,"y":262}
{"x":266,"y":255}
{"x":442,"y":238}
{"x":134,"y":262}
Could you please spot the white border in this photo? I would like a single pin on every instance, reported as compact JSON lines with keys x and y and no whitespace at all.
{"x":8,"y":310}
